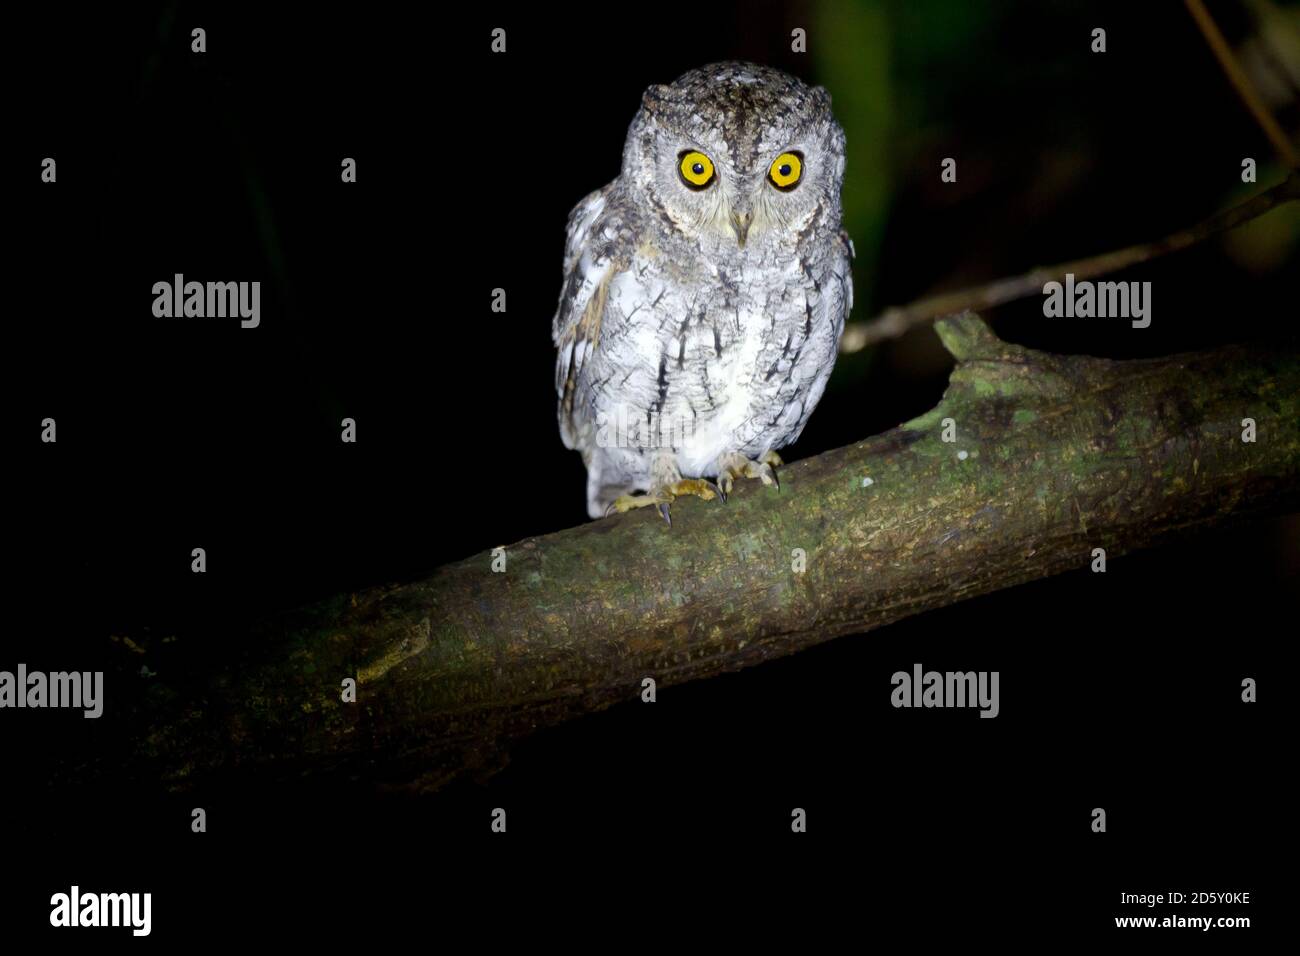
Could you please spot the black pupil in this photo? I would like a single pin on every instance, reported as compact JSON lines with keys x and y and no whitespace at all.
{"x":698,"y":169}
{"x":785,"y":169}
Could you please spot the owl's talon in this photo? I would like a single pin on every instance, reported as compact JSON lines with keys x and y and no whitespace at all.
{"x":625,"y":503}
{"x":699,"y":487}
{"x":664,"y":496}
{"x":738,"y":466}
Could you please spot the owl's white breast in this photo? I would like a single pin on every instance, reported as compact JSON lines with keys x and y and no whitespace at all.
{"x":704,"y":359}
{"x":713,"y":431}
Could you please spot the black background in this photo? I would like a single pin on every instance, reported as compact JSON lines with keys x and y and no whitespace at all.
{"x":1119,"y":691}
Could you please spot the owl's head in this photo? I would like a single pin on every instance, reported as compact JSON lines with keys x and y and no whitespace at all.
{"x":737,"y":154}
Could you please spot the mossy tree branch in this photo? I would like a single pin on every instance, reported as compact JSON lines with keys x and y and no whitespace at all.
{"x":1054,"y":456}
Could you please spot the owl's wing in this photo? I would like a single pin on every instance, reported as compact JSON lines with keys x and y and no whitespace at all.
{"x":588,"y":267}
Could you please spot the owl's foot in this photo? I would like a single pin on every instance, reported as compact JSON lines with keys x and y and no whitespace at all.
{"x":663,"y":496}
{"x":735,"y":466}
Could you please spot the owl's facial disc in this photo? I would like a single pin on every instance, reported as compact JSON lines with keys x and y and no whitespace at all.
{"x":738,"y":159}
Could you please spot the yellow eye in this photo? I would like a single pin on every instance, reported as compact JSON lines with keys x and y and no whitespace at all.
{"x":696,"y":169}
{"x":786,"y":170}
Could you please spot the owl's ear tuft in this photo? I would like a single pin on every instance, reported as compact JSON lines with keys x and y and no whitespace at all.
{"x":654,"y":97}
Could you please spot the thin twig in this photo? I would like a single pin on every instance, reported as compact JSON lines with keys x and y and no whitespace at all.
{"x":1237,"y":77}
{"x":894,"y":322}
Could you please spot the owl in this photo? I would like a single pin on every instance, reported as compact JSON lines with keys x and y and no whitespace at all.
{"x":705,"y":290}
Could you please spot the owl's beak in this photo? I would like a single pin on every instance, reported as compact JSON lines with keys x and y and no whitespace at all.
{"x":740,"y":223}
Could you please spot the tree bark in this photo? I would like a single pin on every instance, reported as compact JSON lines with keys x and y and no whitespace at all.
{"x":1053,"y":457}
